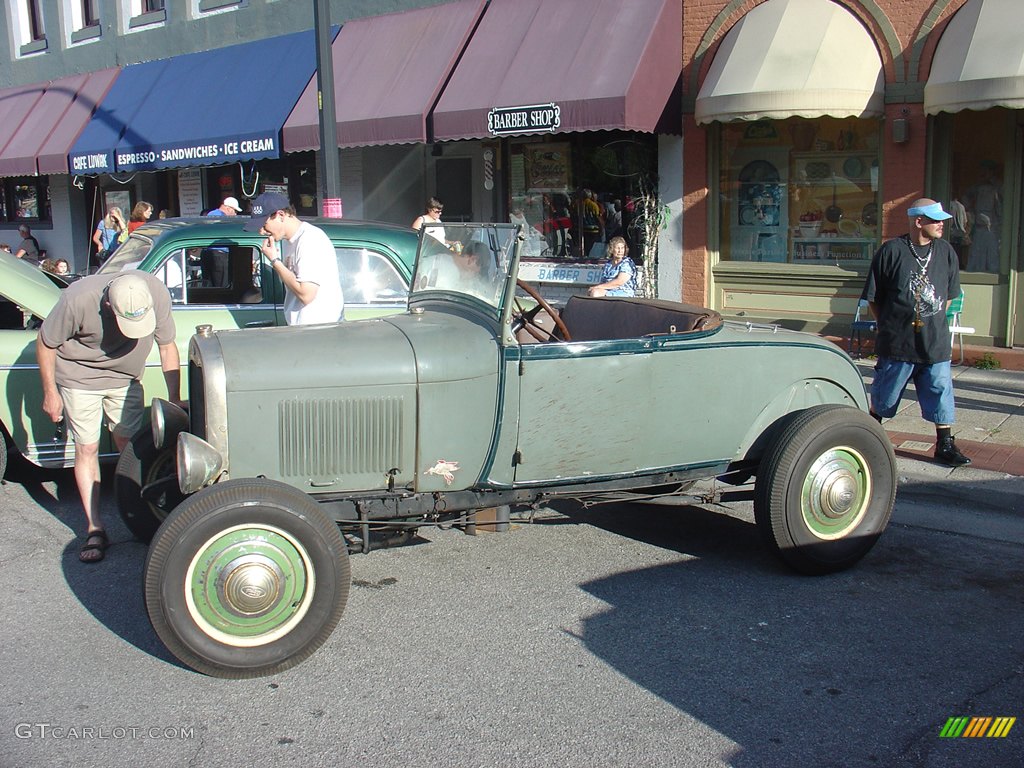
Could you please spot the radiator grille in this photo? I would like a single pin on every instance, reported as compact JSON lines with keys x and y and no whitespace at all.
{"x":320,"y":438}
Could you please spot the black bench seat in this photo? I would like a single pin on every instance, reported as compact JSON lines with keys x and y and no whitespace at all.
{"x":593,"y":319}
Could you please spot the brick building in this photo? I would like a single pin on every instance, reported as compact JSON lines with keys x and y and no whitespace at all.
{"x":808,"y":127}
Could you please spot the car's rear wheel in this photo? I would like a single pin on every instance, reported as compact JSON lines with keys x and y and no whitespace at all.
{"x":145,"y":485}
{"x":825,"y":488}
{"x":246,"y":578}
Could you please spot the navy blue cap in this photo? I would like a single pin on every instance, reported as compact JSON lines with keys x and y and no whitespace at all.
{"x":263,"y":207}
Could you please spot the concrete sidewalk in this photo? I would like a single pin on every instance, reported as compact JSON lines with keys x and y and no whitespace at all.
{"x":989,"y":429}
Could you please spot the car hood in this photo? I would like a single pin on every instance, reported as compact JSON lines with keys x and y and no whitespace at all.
{"x":299,"y":359}
{"x":23,"y":283}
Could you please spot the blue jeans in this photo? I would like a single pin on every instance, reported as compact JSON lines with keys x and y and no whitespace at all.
{"x":934,"y":383}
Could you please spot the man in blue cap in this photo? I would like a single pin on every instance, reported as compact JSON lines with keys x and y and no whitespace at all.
{"x":910,"y":284}
{"x":306,"y":263}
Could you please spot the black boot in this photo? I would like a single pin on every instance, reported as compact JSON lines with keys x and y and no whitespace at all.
{"x":947,"y":452}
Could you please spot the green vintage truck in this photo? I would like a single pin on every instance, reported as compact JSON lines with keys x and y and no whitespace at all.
{"x":301,"y":444}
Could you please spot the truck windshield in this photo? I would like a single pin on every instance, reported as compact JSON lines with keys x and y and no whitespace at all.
{"x":471,"y":260}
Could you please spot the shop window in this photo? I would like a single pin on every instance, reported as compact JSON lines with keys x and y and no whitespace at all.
{"x":977,"y":189}
{"x":574,"y":196}
{"x":25,"y":199}
{"x":799,"y":191}
{"x":143,"y":13}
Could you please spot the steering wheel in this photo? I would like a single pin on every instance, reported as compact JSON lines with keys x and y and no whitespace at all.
{"x":539,"y":332}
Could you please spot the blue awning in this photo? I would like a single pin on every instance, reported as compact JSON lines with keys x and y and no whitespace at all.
{"x":208,"y":108}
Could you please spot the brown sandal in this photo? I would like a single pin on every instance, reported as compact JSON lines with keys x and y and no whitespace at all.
{"x":94,"y":548}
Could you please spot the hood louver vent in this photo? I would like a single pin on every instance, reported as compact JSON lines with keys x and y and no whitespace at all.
{"x":339,"y":438}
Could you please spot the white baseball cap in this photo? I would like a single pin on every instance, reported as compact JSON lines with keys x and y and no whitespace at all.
{"x":132,"y":303}
{"x":232,"y":202}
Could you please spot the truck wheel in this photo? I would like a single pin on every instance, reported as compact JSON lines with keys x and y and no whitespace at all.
{"x":3,"y":454}
{"x":825,"y":488}
{"x":145,"y":485}
{"x":246,"y":578}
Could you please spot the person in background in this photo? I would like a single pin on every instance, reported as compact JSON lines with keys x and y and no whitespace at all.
{"x":431,"y":219}
{"x":307,"y":263}
{"x":618,"y":276}
{"x":216,"y":266}
{"x":92,"y":351}
{"x":107,"y":232}
{"x":229,"y":207}
{"x":29,"y":247}
{"x":591,"y":222}
{"x":910,"y":283}
{"x":165,"y":213}
{"x":141,"y":213}
{"x":473,"y":271}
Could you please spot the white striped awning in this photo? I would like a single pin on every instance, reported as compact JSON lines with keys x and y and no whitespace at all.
{"x":979,"y":61}
{"x":794,"y":58}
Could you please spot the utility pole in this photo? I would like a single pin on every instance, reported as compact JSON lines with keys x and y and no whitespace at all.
{"x":330,"y":169}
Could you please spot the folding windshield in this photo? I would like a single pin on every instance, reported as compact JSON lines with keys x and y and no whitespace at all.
{"x":470,"y":260}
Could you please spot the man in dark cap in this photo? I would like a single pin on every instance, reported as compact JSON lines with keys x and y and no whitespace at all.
{"x":910,"y":284}
{"x":92,"y":351}
{"x":307,"y":263}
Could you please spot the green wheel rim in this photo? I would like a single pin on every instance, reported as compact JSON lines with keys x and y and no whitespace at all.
{"x":249,"y":585}
{"x":835,"y":493}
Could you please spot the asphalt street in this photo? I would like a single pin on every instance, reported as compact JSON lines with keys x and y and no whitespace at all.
{"x":627,"y":635}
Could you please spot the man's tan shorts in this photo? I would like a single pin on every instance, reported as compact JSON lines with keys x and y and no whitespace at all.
{"x":84,"y":409}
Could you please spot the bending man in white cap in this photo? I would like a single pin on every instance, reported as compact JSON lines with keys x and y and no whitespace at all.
{"x":92,"y":351}
{"x":910,"y":284}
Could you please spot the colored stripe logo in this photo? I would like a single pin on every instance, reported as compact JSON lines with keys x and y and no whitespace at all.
{"x":977,"y":727}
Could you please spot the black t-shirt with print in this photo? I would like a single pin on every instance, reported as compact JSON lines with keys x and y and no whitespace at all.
{"x":906,"y":284}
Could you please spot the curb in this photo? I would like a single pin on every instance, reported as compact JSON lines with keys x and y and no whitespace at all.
{"x":972,"y":489}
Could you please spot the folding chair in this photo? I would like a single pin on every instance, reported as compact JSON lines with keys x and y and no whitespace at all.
{"x":859,"y":326}
{"x":956,"y":328}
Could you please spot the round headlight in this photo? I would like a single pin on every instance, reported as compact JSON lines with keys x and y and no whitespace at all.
{"x":168,"y":421}
{"x":199,"y":463}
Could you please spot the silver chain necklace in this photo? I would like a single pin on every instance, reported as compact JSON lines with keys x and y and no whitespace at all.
{"x":922,"y":261}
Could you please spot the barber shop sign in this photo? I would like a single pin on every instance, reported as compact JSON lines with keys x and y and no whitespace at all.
{"x":536,"y":117}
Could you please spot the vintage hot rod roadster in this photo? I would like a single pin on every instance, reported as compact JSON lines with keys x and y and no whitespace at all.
{"x":301,"y":444}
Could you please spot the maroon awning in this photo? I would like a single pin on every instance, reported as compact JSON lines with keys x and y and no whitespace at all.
{"x":388,"y":72}
{"x":47,"y":119}
{"x":604,"y":64}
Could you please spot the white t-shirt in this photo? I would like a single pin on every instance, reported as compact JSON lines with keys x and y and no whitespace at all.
{"x":309,"y":253}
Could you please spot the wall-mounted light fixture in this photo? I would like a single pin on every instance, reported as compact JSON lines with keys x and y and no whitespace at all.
{"x":900,"y":130}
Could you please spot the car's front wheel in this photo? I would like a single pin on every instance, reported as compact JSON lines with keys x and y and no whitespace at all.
{"x":246,"y":578}
{"x":825,"y":488}
{"x":145,"y":485}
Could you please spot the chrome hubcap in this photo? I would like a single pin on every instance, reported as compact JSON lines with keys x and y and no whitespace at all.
{"x":249,"y":585}
{"x":835,"y":494}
